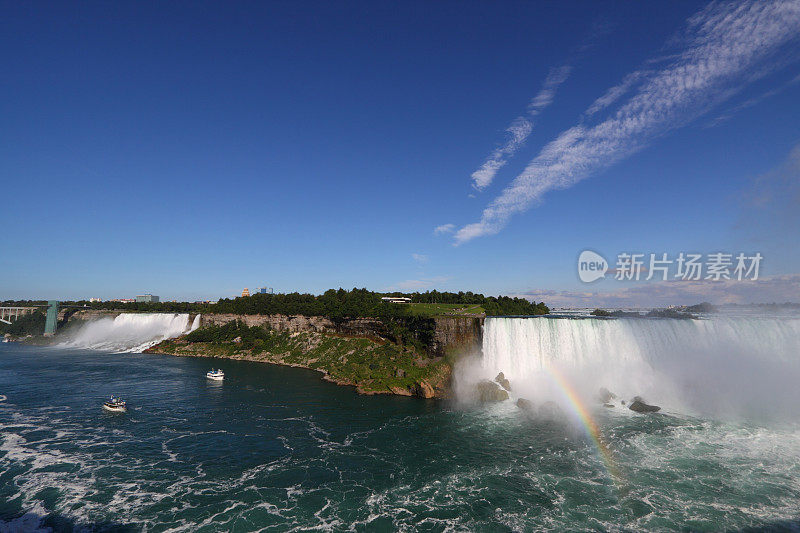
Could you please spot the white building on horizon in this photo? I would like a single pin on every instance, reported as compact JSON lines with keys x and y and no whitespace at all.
{"x":396,"y":299}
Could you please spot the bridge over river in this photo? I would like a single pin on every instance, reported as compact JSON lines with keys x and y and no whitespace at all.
{"x":9,"y":314}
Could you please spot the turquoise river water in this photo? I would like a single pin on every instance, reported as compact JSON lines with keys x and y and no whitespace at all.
{"x":277,"y":449}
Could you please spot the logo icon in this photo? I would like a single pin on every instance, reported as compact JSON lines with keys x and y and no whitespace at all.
{"x":591,"y":266}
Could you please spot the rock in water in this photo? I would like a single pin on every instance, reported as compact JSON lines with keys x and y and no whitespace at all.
{"x":489,"y":391}
{"x":423,"y":389}
{"x":501,"y":379}
{"x":551,"y":411}
{"x":525,"y":405}
{"x":605,"y":395}
{"x":639,"y":406}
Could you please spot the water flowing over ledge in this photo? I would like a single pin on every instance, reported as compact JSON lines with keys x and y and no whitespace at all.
{"x":130,"y":332}
{"x":741,"y":365}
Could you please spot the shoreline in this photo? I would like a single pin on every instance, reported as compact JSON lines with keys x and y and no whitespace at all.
{"x":395,"y":370}
{"x":361,"y":353}
{"x":324,"y":375}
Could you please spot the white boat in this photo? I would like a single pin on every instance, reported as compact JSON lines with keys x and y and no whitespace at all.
{"x":216,"y":375}
{"x":115,"y":405}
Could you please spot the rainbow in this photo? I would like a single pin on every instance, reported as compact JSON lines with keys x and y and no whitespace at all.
{"x":589,"y":425}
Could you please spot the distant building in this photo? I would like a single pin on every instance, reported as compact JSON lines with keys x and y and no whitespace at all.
{"x":95,"y":299}
{"x":123,"y":300}
{"x":264,"y":290}
{"x":147,"y":298}
{"x":246,"y":292}
{"x":396,"y":299}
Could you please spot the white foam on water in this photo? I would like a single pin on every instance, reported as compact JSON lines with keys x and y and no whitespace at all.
{"x":30,"y":522}
{"x":130,"y":332}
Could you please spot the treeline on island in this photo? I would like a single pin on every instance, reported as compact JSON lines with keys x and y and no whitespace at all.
{"x":398,"y":321}
{"x":335,"y":304}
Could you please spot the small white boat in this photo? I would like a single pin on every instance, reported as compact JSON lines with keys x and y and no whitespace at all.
{"x":115,"y":405}
{"x":216,"y":375}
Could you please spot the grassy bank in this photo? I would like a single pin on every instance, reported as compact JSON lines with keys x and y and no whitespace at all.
{"x":444,"y":309}
{"x":373,"y":366}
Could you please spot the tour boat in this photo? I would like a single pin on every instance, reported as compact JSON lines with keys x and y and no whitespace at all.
{"x":115,"y":405}
{"x":216,"y":375}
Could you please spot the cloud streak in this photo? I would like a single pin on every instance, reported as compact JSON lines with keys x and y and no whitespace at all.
{"x":545,"y":97}
{"x":726,"y":46}
{"x":444,"y":228}
{"x":616,"y":92}
{"x":519,"y":130}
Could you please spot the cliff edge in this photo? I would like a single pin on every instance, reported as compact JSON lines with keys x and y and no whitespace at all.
{"x":356,"y":352}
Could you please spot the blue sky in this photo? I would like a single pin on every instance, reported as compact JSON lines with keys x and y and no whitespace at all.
{"x":193,"y":149}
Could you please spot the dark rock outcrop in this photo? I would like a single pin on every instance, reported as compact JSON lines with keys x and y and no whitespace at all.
{"x":605,"y":395}
{"x":640,"y":406}
{"x":488,"y":391}
{"x":501,"y":379}
{"x":459,"y":333}
{"x":423,"y":389}
{"x":525,"y":405}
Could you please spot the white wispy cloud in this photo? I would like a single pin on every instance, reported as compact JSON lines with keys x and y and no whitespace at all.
{"x":519,"y":130}
{"x":726,"y":46}
{"x":444,"y":228}
{"x":616,"y":92}
{"x":420,"y":258}
{"x":544,"y":98}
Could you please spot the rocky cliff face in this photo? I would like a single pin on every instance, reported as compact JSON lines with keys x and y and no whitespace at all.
{"x":458,"y":334}
{"x":371,"y":366}
{"x":86,"y":314}
{"x":366,"y":327}
{"x":453,"y":333}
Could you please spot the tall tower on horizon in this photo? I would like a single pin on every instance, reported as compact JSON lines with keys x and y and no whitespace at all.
{"x":246,"y":292}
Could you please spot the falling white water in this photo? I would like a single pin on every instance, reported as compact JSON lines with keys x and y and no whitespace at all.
{"x":724,"y":364}
{"x":130,"y":332}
